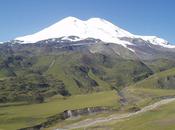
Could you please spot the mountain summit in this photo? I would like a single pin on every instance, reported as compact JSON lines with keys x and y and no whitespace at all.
{"x":96,"y":28}
{"x":93,"y":28}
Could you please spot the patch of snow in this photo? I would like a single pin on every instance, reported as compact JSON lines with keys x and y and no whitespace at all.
{"x":54,"y":39}
{"x":156,"y":41}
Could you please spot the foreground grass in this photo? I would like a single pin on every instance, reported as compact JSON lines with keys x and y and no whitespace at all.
{"x":162,"y":118}
{"x":14,"y":117}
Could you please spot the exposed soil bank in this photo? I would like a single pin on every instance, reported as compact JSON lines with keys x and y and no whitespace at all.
{"x":68,"y":114}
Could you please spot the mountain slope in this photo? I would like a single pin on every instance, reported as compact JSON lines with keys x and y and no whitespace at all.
{"x":164,"y":80}
{"x":65,"y":70}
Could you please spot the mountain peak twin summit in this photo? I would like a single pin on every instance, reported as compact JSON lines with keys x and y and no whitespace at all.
{"x":96,"y":28}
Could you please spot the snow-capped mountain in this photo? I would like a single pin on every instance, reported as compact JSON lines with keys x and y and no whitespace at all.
{"x":92,"y":28}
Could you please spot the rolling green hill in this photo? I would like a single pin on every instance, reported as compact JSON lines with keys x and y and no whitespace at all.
{"x":164,"y":79}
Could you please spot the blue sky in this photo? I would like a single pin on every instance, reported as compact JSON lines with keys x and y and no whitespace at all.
{"x":144,"y":17}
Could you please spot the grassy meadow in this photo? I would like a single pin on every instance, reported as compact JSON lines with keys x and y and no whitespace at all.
{"x":14,"y":117}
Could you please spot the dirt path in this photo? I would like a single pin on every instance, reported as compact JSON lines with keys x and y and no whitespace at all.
{"x":91,"y":122}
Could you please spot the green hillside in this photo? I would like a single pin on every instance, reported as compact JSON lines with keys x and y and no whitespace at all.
{"x":164,"y":80}
{"x":44,"y":72}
